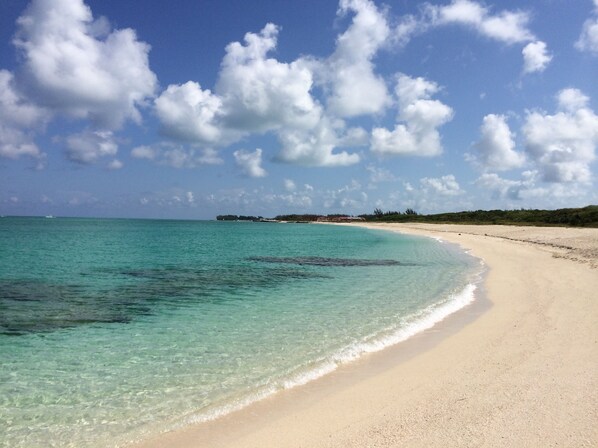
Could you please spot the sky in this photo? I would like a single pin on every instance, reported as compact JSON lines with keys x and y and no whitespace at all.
{"x":190,"y":109}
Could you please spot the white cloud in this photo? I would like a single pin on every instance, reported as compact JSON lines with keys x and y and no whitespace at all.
{"x":189,"y":113}
{"x":144,"y":152}
{"x":348,"y":74}
{"x":527,"y":188}
{"x":505,"y":188}
{"x":260,"y":93}
{"x":407,"y":27}
{"x":115,"y":165}
{"x":496,"y":148}
{"x":572,"y":100}
{"x":431,"y":195}
{"x":257,"y":94}
{"x":535,"y":57}
{"x":419,"y":117}
{"x":314,"y":147}
{"x":347,"y":198}
{"x":76,"y":65}
{"x":588,"y":40}
{"x":378,"y":175}
{"x":89,"y":146}
{"x":445,"y":185}
{"x":190,"y":197}
{"x":353,"y":137}
{"x":507,"y":26}
{"x":289,"y":185}
{"x":17,"y":118}
{"x":294,"y":198}
{"x":177,"y":156}
{"x":563,"y":145}
{"x":250,"y":163}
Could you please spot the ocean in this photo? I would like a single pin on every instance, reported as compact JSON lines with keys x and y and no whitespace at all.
{"x":112,"y":329}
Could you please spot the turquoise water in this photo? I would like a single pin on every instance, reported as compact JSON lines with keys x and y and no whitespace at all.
{"x":111,"y":330}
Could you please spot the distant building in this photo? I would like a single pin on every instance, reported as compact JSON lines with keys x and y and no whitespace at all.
{"x":341,"y":218}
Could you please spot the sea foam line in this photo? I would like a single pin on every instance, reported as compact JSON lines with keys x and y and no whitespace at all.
{"x":410,"y":326}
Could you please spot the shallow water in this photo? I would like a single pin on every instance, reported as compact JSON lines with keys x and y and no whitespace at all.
{"x":114,"y":329}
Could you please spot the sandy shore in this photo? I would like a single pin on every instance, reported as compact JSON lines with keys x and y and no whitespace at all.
{"x":522,"y":373}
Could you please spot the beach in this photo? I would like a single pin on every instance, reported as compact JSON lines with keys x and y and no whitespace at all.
{"x":519,"y":367}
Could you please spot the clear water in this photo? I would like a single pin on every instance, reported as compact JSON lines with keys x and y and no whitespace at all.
{"x":111,"y":330}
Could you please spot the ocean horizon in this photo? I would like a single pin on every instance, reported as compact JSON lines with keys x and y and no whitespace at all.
{"x":112,"y":330}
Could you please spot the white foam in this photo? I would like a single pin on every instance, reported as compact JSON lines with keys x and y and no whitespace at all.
{"x":410,"y":326}
{"x":228,"y":408}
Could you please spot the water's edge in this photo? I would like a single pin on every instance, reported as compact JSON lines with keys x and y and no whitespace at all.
{"x":471,"y":298}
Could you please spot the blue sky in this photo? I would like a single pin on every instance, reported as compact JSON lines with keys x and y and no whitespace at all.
{"x":193,"y":109}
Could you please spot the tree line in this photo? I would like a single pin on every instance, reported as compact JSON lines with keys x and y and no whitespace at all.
{"x":575,"y":217}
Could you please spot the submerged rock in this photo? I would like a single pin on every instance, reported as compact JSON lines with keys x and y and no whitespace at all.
{"x":326,"y":261}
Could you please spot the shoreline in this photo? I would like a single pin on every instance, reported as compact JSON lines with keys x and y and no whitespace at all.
{"x":418,"y":392}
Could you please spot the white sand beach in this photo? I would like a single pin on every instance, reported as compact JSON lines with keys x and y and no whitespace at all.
{"x":519,"y":368}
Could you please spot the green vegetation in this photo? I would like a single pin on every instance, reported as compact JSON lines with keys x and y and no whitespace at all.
{"x":237,"y":218}
{"x":575,"y":217}
{"x":297,"y":218}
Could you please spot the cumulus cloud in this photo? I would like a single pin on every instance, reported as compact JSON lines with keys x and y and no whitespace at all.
{"x":572,"y":100}
{"x":256,"y":93}
{"x":250,"y":163}
{"x":177,"y":156}
{"x":563,"y":145}
{"x":189,"y":113}
{"x":445,"y":185}
{"x":348,"y":74}
{"x":535,"y":57}
{"x":419,"y":116}
{"x":588,"y":40}
{"x":17,"y":117}
{"x":89,"y":146}
{"x":506,"y":26}
{"x":496,"y":148}
{"x":314,"y":147}
{"x":77,"y":65}
{"x":261,"y":93}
